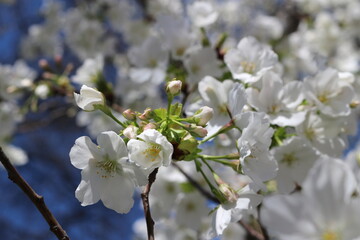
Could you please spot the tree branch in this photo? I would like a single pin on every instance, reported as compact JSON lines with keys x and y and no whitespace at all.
{"x":38,"y":200}
{"x":249,"y":229}
{"x":146,"y":205}
{"x":205,"y":193}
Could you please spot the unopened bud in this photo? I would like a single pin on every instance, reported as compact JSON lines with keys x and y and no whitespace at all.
{"x":44,"y":64}
{"x":200,"y":131}
{"x":130,"y":132}
{"x":42,"y":91}
{"x":149,"y":126}
{"x":230,"y":194}
{"x":26,"y":83}
{"x":146,"y":115}
{"x":58,"y":59}
{"x":203,"y":115}
{"x":174,"y":87}
{"x":129,"y":114}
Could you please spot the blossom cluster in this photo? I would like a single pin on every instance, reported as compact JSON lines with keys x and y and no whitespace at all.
{"x":243,"y":108}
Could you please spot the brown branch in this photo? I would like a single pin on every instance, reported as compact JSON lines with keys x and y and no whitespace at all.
{"x":249,"y":229}
{"x":38,"y":200}
{"x":146,"y":205}
{"x":205,"y":193}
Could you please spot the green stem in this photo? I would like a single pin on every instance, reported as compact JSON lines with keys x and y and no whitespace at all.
{"x":224,"y":129}
{"x":179,"y":123}
{"x":198,"y":167}
{"x":278,"y":140}
{"x":107,"y":111}
{"x":229,"y":156}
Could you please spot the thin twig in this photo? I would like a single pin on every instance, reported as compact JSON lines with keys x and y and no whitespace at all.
{"x":146,"y":205}
{"x":38,"y":200}
{"x":252,"y":231}
{"x":197,"y":185}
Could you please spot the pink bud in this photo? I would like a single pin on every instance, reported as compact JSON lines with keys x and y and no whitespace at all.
{"x":146,"y":115}
{"x":174,"y":87}
{"x":129,"y":114}
{"x":200,"y":131}
{"x":149,"y":126}
{"x":130,"y":132}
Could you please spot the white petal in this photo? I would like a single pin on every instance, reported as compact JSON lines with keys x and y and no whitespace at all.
{"x":86,"y":193}
{"x":221,"y":220}
{"x":81,"y":152}
{"x":112,"y":144}
{"x":118,"y":193}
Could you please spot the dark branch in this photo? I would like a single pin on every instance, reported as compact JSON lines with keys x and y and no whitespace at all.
{"x":38,"y":200}
{"x":146,"y":205}
{"x":197,"y":185}
{"x":249,"y":229}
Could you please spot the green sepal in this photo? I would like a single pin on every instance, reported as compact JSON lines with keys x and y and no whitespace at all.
{"x":159,"y":114}
{"x":176,"y":109}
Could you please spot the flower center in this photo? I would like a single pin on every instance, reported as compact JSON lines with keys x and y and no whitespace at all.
{"x":248,"y":67}
{"x":190,"y":206}
{"x":109,"y":166}
{"x":152,"y":152}
{"x":180,"y":51}
{"x":310,"y":133}
{"x":288,"y":159}
{"x":152,"y":63}
{"x":323,"y":98}
{"x":330,"y":235}
{"x":195,"y":69}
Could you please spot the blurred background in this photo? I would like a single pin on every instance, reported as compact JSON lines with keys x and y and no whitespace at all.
{"x":47,"y":141}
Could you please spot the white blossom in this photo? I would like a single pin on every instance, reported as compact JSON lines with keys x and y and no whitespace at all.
{"x":150,"y":150}
{"x":331,"y":96}
{"x":89,"y":98}
{"x":202,"y":13}
{"x":106,"y":173}
{"x":250,"y":60}
{"x":254,"y":146}
{"x":324,"y":209}
{"x":295,"y":157}
{"x":89,"y":71}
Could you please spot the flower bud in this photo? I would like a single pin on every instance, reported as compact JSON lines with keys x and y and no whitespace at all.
{"x":146,"y":115}
{"x":199,"y":131}
{"x":203,"y":115}
{"x":228,"y":193}
{"x":149,"y":126}
{"x":174,"y":87}
{"x":42,"y":91}
{"x":129,"y":114}
{"x":130,"y":132}
{"x":44,"y":64}
{"x":89,"y":98}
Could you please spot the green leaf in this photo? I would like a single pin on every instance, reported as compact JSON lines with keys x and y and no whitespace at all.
{"x":159,"y":114}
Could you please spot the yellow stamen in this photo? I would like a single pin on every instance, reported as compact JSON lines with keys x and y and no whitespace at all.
{"x":248,"y":67}
{"x":109,"y":166}
{"x":289,"y":159}
{"x":152,"y":152}
{"x":330,"y":235}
